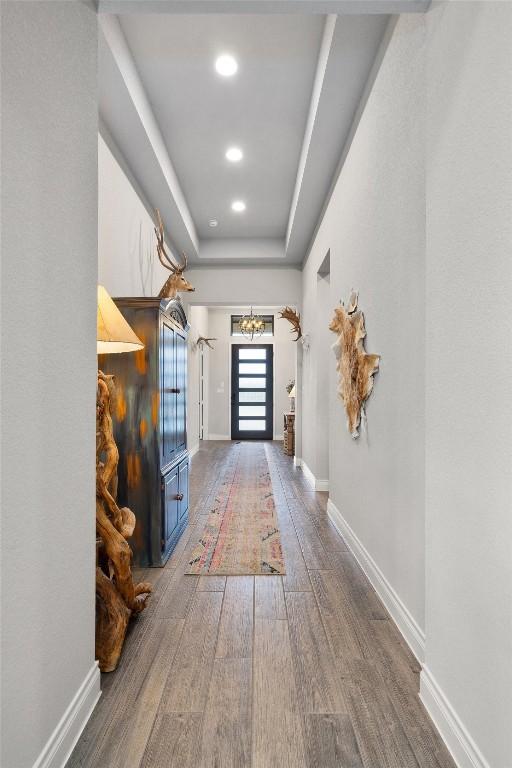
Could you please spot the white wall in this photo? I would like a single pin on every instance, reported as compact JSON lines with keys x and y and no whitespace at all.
{"x":219,"y":398}
{"x":127,"y":260}
{"x":469,"y":369}
{"x":259,"y":286}
{"x":48,"y":376}
{"x":374,"y":228}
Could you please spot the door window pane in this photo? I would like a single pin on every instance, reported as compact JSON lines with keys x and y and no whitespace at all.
{"x":252,"y":367}
{"x":252,"y":397}
{"x":251,"y":410}
{"x":252,"y":425}
{"x":252,"y":383}
{"x":252,"y":354}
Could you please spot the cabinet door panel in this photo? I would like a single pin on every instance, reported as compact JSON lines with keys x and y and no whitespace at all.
{"x":183,"y":485}
{"x":170,"y":506}
{"x":168,"y":393}
{"x":181,"y":385}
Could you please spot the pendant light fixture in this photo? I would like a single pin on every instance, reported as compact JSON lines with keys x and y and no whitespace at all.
{"x":251,"y":325}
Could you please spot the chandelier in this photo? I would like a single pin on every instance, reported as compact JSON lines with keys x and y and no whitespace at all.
{"x":251,"y":325}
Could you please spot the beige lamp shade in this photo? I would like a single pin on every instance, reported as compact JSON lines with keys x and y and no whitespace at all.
{"x":113,"y":332}
{"x":292,"y":392}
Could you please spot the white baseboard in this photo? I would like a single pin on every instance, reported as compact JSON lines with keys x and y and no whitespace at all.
{"x":462,"y":747}
{"x":192,"y":451}
{"x":61,"y":743}
{"x":316,"y":483}
{"x":412,"y":632}
{"x":213,"y":436}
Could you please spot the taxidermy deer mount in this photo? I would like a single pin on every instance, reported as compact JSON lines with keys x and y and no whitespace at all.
{"x":176,"y":282}
{"x":289,"y":314}
{"x":203,"y":340}
{"x":355,"y":365}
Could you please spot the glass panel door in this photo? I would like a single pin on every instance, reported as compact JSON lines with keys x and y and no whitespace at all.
{"x":252,"y":409}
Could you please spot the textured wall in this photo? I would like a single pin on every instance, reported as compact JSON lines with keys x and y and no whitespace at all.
{"x":469,"y":367}
{"x":374,"y":227}
{"x":127,"y":261}
{"x":48,"y":378}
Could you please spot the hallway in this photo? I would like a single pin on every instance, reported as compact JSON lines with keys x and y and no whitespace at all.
{"x":306,"y":669}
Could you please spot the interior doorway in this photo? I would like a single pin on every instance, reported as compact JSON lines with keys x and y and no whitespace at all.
{"x":252,"y":396}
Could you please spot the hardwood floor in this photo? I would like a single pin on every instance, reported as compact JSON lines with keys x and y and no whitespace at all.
{"x":288,"y":671}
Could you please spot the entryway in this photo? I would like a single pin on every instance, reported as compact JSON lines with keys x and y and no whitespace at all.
{"x":252,"y":396}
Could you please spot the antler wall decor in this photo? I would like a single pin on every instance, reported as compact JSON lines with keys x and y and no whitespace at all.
{"x":176,"y":282}
{"x":203,"y":340}
{"x":355,"y":365}
{"x":289,"y":314}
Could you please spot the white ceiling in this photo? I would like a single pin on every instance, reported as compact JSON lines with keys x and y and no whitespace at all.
{"x":290,"y":107}
{"x":262,"y":109}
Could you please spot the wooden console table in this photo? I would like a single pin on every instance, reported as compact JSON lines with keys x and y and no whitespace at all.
{"x":289,"y":434}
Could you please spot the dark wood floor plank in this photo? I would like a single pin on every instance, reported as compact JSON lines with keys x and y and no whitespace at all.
{"x":277,"y":738}
{"x":211,"y":584}
{"x":331,"y":742}
{"x":227,"y":727}
{"x":346,"y":633}
{"x":269,"y":598}
{"x":133,"y":733}
{"x":380,"y":736}
{"x":318,"y":679}
{"x":173,"y":742}
{"x":236,"y":622}
{"x":186,"y":687}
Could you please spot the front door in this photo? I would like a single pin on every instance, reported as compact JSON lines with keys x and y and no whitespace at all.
{"x":252,"y":403}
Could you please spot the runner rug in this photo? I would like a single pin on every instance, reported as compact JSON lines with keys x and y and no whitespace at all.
{"x":242,"y":535}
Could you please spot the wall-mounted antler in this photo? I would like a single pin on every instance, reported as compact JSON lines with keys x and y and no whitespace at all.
{"x":203,"y":340}
{"x":176,"y":282}
{"x":289,"y":314}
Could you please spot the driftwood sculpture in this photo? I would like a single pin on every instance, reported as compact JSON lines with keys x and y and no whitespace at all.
{"x":176,"y":282}
{"x":117,"y":597}
{"x":289,"y":314}
{"x":203,"y":340}
{"x":355,"y":365}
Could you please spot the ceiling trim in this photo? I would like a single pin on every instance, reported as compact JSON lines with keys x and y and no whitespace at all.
{"x":340,"y":7}
{"x":323,"y":58}
{"x":353,"y":128}
{"x":175,"y":211}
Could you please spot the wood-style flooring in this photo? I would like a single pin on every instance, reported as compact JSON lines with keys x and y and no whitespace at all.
{"x":306,"y":669}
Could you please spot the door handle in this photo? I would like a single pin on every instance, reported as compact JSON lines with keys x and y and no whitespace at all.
{"x":179,"y":497}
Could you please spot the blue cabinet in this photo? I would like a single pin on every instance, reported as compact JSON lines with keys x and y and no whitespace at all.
{"x":150,"y":420}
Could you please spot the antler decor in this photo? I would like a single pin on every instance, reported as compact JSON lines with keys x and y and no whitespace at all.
{"x":355,"y":365}
{"x":203,"y":340}
{"x":176,"y":282}
{"x":289,"y":314}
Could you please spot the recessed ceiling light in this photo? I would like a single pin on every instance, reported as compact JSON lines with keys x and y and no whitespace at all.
{"x":226,"y":65}
{"x":213,"y":223}
{"x":234,"y":154}
{"x":238,"y":206}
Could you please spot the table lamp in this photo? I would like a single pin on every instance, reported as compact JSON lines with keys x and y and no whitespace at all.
{"x":117,"y":597}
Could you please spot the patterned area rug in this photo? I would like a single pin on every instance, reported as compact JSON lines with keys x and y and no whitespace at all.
{"x":241,"y":536}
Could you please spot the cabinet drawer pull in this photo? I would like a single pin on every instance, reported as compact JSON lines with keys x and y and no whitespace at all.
{"x":174,"y":390}
{"x":179,"y":496}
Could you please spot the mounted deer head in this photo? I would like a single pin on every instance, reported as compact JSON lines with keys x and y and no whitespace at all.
{"x":176,"y":282}
{"x":289,"y":314}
